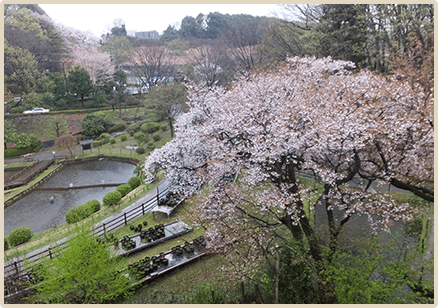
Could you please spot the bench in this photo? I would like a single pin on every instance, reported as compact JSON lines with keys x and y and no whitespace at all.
{"x":29,"y":159}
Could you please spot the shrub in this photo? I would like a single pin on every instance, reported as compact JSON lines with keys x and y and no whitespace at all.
{"x":111,"y":198}
{"x":81,"y":211}
{"x":97,"y":143}
{"x":139,"y":136}
{"x":164,"y":127}
{"x":94,"y":125}
{"x":150,"y":127}
{"x":134,"y":182}
{"x":140,"y":150}
{"x":131,"y":133}
{"x":124,"y":189}
{"x":19,"y":236}
{"x":156,"y":136}
{"x":117,"y":128}
{"x":105,"y":137}
{"x":35,"y":143}
{"x":112,"y":141}
{"x":123,"y":137}
{"x":6,"y":245}
{"x":15,"y":152}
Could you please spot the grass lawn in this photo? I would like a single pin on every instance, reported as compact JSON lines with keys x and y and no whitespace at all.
{"x":14,"y":165}
{"x":15,"y":191}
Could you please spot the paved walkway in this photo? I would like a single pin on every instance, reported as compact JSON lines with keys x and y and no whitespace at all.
{"x":43,"y":155}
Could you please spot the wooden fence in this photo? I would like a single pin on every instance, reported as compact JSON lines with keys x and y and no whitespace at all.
{"x":15,"y":271}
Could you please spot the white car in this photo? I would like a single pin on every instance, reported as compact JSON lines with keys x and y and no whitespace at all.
{"x":36,"y":110}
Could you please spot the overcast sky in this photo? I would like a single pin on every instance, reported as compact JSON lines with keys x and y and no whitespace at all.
{"x":142,"y":17}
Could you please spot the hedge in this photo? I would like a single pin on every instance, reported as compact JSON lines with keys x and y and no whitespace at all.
{"x":134,"y":182}
{"x":140,"y":150}
{"x":124,"y":189}
{"x":97,"y":143}
{"x":11,"y":152}
{"x":117,"y":128}
{"x":6,"y":246}
{"x":19,"y":236}
{"x":81,"y":211}
{"x":150,"y":127}
{"x":112,"y":198}
{"x":156,"y":136}
{"x":123,"y":137}
{"x":112,"y":141}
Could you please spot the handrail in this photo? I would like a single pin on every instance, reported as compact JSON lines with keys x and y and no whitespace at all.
{"x":101,"y":232}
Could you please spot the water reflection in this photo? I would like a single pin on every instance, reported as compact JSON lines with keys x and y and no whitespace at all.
{"x":36,"y":212}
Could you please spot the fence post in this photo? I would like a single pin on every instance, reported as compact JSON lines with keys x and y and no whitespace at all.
{"x":16,"y":266}
{"x":126,"y":222}
{"x":142,"y":207}
{"x":104,"y":229}
{"x":50,"y":253}
{"x":158,"y":196}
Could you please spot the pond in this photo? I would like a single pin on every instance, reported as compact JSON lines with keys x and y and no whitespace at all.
{"x":37,"y":213}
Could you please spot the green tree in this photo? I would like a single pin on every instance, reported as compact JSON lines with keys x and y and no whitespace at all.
{"x":170,"y":34}
{"x":94,"y":125}
{"x":191,"y":28}
{"x":80,"y":82}
{"x":21,"y":70}
{"x":169,"y":98}
{"x":56,"y":91}
{"x":24,"y":20}
{"x":10,"y":133}
{"x":85,"y":273}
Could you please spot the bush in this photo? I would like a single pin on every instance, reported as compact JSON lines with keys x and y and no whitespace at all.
{"x":11,"y":152}
{"x":124,"y":189}
{"x":117,"y":128}
{"x":123,"y":138}
{"x":156,"y":136}
{"x":94,"y":125}
{"x":131,"y":133}
{"x":150,"y":127}
{"x":111,"y":198}
{"x":105,"y":137}
{"x":139,"y":136}
{"x":112,"y":141}
{"x":164,"y":127}
{"x":19,"y":236}
{"x":81,"y":211}
{"x":134,"y":182}
{"x":97,"y":143}
{"x":35,"y":143}
{"x":6,"y":245}
{"x":140,"y":150}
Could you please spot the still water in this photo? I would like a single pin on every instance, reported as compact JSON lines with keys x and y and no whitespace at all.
{"x":37,"y":213}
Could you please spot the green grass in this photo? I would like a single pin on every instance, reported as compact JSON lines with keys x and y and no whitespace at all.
{"x":48,"y":237}
{"x":13,"y":192}
{"x":14,"y":165}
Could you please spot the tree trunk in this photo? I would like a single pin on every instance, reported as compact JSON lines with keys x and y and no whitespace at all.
{"x":277,"y":274}
{"x":171,"y":127}
{"x":82,"y":100}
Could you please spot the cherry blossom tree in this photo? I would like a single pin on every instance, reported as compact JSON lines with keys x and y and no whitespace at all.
{"x":97,"y":64}
{"x":250,"y":144}
{"x":206,"y":61}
